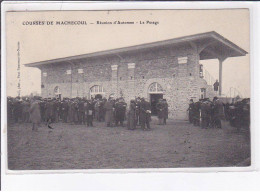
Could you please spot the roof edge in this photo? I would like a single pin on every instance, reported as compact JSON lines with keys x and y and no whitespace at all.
{"x":142,"y":46}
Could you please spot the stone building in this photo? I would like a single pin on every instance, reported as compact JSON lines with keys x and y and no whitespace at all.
{"x":167,"y":69}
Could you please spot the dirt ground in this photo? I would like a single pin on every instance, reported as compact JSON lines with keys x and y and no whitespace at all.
{"x":178,"y":144}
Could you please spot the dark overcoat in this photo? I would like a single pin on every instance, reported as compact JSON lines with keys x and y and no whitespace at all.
{"x":160,"y":112}
{"x":165,"y":110}
{"x":35,"y":113}
{"x":143,"y":115}
{"x":120,"y":109}
{"x":131,"y":117}
{"x":49,"y":110}
{"x":109,"y":111}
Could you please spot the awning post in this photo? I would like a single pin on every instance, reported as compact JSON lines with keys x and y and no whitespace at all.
{"x":220,"y":75}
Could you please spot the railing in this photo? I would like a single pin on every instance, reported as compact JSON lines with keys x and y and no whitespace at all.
{"x":233,"y":93}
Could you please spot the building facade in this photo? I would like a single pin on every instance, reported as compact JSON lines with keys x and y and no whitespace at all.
{"x":168,"y":69}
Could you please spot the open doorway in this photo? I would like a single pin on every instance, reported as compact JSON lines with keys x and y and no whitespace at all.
{"x":154,"y":99}
{"x":57,"y":92}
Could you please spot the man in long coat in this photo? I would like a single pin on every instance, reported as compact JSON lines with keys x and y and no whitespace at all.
{"x":131,"y":116}
{"x":138,"y":101}
{"x":26,"y":108}
{"x":42,"y":104}
{"x":120,"y":110}
{"x":216,"y":85}
{"x":191,"y":111}
{"x":165,"y":111}
{"x":17,"y":111}
{"x":159,"y":107}
{"x":49,"y":112}
{"x":74,"y":111}
{"x":81,"y":112}
{"x":218,"y":112}
{"x":97,"y":110}
{"x":205,"y":114}
{"x":196,"y":114}
{"x":109,"y":112}
{"x":35,"y":114}
{"x":145,"y":114}
{"x":89,"y":110}
{"x":55,"y":110}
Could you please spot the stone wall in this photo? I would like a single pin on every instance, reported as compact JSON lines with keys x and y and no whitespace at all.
{"x":130,"y":75}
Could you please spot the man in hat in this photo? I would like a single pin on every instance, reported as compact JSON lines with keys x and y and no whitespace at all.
{"x":89,"y":110}
{"x":159,"y":107}
{"x":191,"y":110}
{"x":165,"y":111}
{"x":25,"y":110}
{"x":35,"y":114}
{"x":49,"y":112}
{"x":131,"y":115}
{"x":196,"y":113}
{"x":109,"y":112}
{"x":205,"y":114}
{"x":81,"y":111}
{"x":217,"y":112}
{"x":138,"y":101}
{"x":216,"y":85}
{"x":120,"y":110}
{"x":145,"y":114}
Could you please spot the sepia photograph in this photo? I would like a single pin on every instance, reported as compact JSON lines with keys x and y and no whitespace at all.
{"x":128,"y":89}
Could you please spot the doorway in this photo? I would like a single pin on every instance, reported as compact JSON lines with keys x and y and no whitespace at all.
{"x":154,"y":99}
{"x":58,"y":96}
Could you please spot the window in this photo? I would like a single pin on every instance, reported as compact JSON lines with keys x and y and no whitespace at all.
{"x":56,"y":90}
{"x":96,"y":90}
{"x":80,"y":71}
{"x":44,"y":74}
{"x":201,"y":71}
{"x":203,"y":93}
{"x":155,"y":88}
{"x":182,"y":60}
{"x":112,"y":95}
{"x":68,"y":72}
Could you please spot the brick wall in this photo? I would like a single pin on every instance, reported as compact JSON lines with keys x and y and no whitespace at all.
{"x":130,"y":75}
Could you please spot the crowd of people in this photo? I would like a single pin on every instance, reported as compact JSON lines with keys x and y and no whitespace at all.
{"x":81,"y":111}
{"x":114,"y":112}
{"x":208,"y":114}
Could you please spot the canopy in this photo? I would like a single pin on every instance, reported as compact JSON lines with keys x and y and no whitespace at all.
{"x":210,"y":45}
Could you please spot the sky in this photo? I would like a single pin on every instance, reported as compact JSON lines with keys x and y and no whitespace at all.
{"x":45,"y":42}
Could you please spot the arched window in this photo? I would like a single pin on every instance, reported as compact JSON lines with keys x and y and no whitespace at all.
{"x":155,"y":88}
{"x":96,"y":90}
{"x":57,"y":90}
{"x":111,"y":95}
